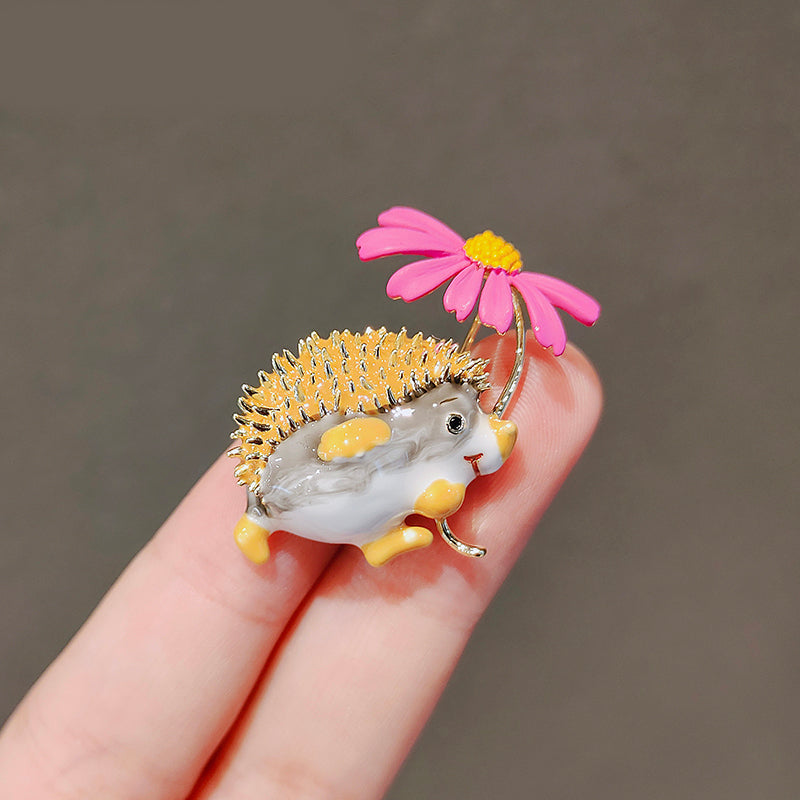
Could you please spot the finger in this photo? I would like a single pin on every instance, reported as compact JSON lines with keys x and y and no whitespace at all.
{"x":140,"y":698}
{"x":350,"y":688}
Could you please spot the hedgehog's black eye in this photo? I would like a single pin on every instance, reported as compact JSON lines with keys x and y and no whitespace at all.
{"x":456,"y":423}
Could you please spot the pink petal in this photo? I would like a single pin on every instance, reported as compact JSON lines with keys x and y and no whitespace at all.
{"x":547,"y":327}
{"x":420,"y":278}
{"x":463,"y":291}
{"x":405,"y":217}
{"x":496,"y":308}
{"x":378,"y":242}
{"x":564,"y":295}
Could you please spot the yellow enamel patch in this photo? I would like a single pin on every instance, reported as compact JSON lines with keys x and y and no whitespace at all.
{"x":440,"y":499}
{"x":400,"y":540}
{"x":506,"y":432}
{"x":345,"y":373}
{"x":353,"y":438}
{"x":252,"y":539}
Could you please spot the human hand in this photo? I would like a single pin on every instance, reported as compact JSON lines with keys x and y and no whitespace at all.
{"x":202,"y":676}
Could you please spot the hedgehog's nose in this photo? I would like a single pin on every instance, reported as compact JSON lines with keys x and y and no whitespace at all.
{"x":506,"y":432}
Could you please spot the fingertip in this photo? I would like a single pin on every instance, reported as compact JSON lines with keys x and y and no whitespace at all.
{"x":556,"y":408}
{"x":568,"y":385}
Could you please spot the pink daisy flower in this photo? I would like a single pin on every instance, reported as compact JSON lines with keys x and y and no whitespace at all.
{"x":466,"y":263}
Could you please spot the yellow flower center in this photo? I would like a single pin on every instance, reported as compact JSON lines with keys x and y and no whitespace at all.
{"x":493,"y":252}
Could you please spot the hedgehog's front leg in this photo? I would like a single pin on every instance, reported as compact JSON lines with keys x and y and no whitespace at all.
{"x":441,"y":499}
{"x":399,"y":540}
{"x":251,"y":532}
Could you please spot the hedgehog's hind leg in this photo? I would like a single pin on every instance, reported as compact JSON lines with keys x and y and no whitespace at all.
{"x":251,"y":533}
{"x":399,"y":540}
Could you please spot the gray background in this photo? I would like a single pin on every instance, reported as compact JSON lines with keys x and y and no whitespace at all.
{"x":180,"y":189}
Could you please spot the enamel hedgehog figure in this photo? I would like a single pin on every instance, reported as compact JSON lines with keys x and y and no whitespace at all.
{"x":343,"y":441}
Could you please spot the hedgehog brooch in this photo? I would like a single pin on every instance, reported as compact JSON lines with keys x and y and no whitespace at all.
{"x":341,"y":442}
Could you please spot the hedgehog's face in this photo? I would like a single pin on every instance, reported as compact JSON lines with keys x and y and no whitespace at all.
{"x":456,"y":426}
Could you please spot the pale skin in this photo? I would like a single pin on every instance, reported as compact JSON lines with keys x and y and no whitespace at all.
{"x":201,"y":675}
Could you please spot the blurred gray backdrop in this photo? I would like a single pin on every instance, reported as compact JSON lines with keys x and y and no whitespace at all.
{"x":180,"y":189}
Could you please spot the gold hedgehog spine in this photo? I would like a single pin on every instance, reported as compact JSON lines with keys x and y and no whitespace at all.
{"x":345,"y":373}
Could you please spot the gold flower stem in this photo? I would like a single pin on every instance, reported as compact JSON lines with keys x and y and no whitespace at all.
{"x":471,"y":334}
{"x":519,"y":358}
{"x":499,"y":408}
{"x":519,"y":354}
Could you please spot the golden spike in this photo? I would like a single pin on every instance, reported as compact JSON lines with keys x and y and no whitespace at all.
{"x":386,"y":376}
{"x":244,"y":404}
{"x":248,"y":389}
{"x":289,"y":357}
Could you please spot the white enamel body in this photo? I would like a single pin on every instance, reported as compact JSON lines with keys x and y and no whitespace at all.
{"x":375,"y":491}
